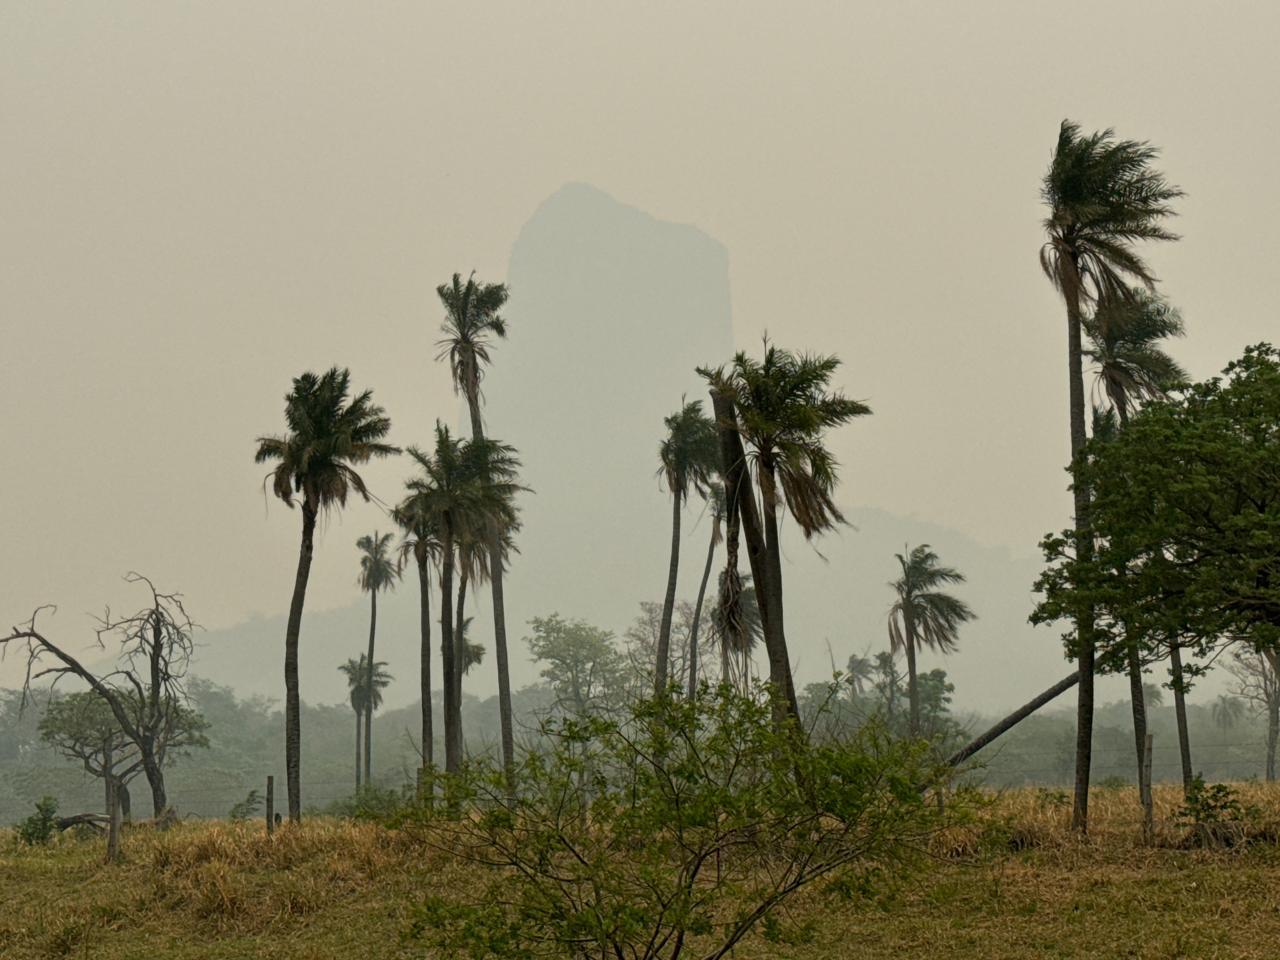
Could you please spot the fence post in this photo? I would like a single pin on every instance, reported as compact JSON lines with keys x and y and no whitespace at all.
{"x":1148,"y":813}
{"x":271,"y":804}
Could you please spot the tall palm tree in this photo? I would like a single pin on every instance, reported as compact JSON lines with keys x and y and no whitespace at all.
{"x":715,"y":500}
{"x":1103,"y":196}
{"x":423,"y":544}
{"x":1227,"y":711}
{"x":378,"y":571}
{"x":688,"y":455}
{"x":357,"y":693}
{"x":328,"y":436}
{"x":924,"y":615}
{"x":781,"y":407}
{"x":464,"y":487}
{"x":472,"y":322}
{"x":1125,"y":347}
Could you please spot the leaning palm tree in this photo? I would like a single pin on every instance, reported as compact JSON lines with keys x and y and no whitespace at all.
{"x":472,"y":322}
{"x":464,"y":487}
{"x":328,"y":436}
{"x":773,"y":415}
{"x":378,"y":571}
{"x":688,"y":455}
{"x":1103,"y":195}
{"x":715,"y":500}
{"x":357,"y":692}
{"x":423,"y":544}
{"x":924,"y":615}
{"x":1125,"y":347}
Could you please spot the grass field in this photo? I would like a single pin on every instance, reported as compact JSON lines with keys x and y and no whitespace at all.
{"x":1014,"y":884}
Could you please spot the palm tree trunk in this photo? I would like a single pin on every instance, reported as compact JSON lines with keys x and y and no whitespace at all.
{"x":779,"y":657}
{"x":662,"y":664}
{"x":913,"y":690}
{"x":1180,"y":711}
{"x":1084,"y":550}
{"x":292,"y":706}
{"x":1138,"y":700}
{"x":697,"y":614}
{"x":359,"y":717}
{"x":1013,"y":719}
{"x":741,"y":504}
{"x":459,"y":640}
{"x":368,"y":690}
{"x":497,"y":561}
{"x":452,"y":738}
{"x":424,"y":607}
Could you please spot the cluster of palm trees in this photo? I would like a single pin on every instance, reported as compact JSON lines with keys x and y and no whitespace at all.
{"x":458,"y":517}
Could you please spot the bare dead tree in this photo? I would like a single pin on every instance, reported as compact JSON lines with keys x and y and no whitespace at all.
{"x":146,"y":692}
{"x":1257,"y":674}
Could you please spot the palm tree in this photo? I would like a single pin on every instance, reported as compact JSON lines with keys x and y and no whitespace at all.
{"x":1103,"y":196}
{"x":465,"y":488}
{"x":472,"y":321}
{"x":1152,"y":694}
{"x":688,"y":455}
{"x":328,"y":436}
{"x":737,"y":629}
{"x":781,"y":407}
{"x":1227,"y":711}
{"x":357,"y":694}
{"x":859,"y":674}
{"x":1131,"y":367}
{"x":715,"y":500}
{"x":423,"y":544}
{"x":378,"y":571}
{"x":924,"y":615}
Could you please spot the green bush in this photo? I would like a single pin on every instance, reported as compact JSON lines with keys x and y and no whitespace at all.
{"x":39,"y":828}
{"x":685,"y":822}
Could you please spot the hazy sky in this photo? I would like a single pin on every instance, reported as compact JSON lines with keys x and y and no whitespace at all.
{"x":198,"y":201}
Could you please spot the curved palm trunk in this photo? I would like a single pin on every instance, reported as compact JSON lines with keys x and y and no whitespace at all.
{"x":368,"y":690}
{"x":779,"y":658}
{"x":359,"y":717}
{"x":1180,"y":711}
{"x":292,"y":706}
{"x":496,"y":563}
{"x":913,"y":690}
{"x":662,"y":661}
{"x":1084,"y":549}
{"x":424,"y":608}
{"x":697,"y":614}
{"x":452,"y":733}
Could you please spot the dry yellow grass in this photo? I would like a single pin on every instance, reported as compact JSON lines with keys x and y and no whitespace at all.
{"x":1014,"y":883}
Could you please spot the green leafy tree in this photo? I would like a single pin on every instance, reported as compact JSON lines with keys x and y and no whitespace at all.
{"x":1103,"y":196}
{"x":581,"y":663}
{"x":688,"y":454}
{"x":329,"y":434}
{"x":472,"y":323}
{"x":378,"y":572}
{"x":924,"y":615}
{"x":1187,"y":531}
{"x":773,"y":415}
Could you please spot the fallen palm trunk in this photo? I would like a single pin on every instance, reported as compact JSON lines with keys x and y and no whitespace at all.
{"x":1013,"y":719}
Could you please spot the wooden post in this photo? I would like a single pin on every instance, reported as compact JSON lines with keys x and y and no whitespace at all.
{"x":271,"y":804}
{"x":1148,"y":812}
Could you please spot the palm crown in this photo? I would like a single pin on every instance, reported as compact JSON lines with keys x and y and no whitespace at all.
{"x":1103,"y":196}
{"x":936,"y":616}
{"x":378,"y":571}
{"x":328,"y":436}
{"x":358,"y":682}
{"x":471,"y":320}
{"x":1125,"y":338}
{"x":690,"y":452}
{"x":784,"y":407}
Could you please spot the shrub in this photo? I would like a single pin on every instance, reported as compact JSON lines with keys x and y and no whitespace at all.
{"x":684,"y":822}
{"x":39,"y":828}
{"x":246,"y":808}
